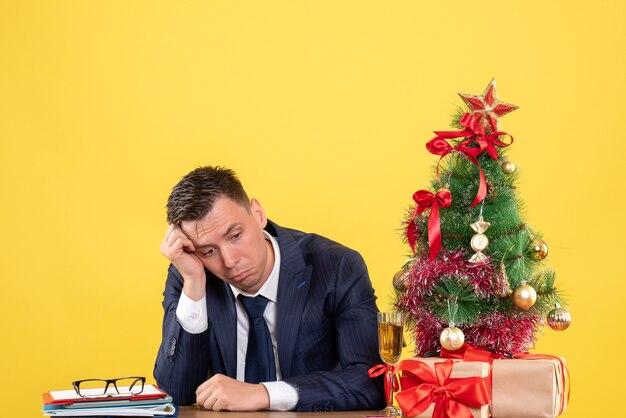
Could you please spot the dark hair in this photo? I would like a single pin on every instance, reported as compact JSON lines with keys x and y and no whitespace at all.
{"x":195,"y":194}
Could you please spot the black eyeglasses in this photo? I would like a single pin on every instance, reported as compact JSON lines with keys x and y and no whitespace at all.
{"x":98,"y":388}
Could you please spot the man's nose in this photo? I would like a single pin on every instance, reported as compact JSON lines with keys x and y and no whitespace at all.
{"x":229,"y":257}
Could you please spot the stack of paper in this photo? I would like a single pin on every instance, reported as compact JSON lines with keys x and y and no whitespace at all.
{"x":152,"y":402}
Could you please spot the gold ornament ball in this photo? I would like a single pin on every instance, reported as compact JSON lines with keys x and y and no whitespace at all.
{"x":508,"y":167}
{"x":452,"y":338}
{"x":559,"y":319}
{"x":443,"y":189}
{"x":538,"y":249}
{"x":524,"y":296}
{"x":399,"y":279}
{"x":479,"y":242}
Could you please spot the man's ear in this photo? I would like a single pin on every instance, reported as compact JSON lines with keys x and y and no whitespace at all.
{"x":258,"y":212}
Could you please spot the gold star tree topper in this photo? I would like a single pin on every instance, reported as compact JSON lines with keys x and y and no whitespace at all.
{"x":487,"y":108}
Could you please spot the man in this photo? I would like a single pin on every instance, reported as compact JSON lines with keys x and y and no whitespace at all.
{"x":258,"y":316}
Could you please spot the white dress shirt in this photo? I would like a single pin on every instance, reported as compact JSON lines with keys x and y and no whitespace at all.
{"x":193,"y":317}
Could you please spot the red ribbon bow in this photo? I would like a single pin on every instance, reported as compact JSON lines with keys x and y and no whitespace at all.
{"x":452,"y":397}
{"x":391,"y":384}
{"x":427,"y":200}
{"x":486,"y":142}
{"x":473,"y":131}
{"x":470,"y":353}
{"x":440,"y":146}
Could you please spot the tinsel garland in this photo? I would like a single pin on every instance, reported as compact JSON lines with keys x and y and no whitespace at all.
{"x":426,"y":329}
{"x":498,"y":332}
{"x":425,"y":273}
{"x":504,"y":333}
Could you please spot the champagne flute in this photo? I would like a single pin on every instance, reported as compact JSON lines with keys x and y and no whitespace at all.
{"x":390,"y":337}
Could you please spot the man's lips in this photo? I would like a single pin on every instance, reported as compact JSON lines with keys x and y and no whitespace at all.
{"x":240,"y":276}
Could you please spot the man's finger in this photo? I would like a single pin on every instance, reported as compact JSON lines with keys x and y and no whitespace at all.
{"x":168,"y":232}
{"x":184,"y":244}
{"x":175,"y":233}
{"x":171,"y":238}
{"x":206,"y":399}
{"x":201,"y":397}
{"x":203,"y":387}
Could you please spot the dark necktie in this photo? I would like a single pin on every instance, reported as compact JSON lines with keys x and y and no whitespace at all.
{"x":259,"y":354}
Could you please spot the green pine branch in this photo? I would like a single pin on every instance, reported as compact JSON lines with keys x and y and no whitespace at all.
{"x":454,"y":300}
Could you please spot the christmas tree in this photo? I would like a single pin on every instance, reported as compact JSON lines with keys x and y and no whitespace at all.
{"x":477,"y":273}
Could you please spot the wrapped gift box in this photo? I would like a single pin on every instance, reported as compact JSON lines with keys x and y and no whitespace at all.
{"x":528,"y":388}
{"x":460,"y":369}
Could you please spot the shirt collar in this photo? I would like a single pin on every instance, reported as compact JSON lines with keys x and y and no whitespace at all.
{"x":269,"y":289}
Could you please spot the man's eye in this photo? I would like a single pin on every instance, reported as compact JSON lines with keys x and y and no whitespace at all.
{"x":237,"y":235}
{"x":209,"y":252}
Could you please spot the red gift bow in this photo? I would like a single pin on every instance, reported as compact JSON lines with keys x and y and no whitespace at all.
{"x":470,"y":353}
{"x":452,"y":397}
{"x":380,"y":369}
{"x":486,"y":142}
{"x":427,"y":200}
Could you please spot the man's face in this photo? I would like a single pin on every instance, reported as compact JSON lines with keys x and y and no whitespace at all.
{"x":230,"y":242}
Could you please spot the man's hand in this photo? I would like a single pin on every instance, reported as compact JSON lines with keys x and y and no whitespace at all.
{"x":177,"y":248}
{"x":222,"y":393}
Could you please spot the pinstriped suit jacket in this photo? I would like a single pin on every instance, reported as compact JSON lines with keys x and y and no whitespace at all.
{"x":326,"y":328}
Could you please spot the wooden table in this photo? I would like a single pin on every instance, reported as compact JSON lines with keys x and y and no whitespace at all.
{"x":195,"y":412}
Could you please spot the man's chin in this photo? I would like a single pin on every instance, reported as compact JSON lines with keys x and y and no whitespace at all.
{"x":249,"y":284}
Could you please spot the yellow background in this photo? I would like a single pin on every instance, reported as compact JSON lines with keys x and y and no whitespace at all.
{"x":323,"y":108}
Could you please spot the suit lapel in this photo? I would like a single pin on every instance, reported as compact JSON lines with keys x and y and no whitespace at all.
{"x":223,"y":319}
{"x":293,"y":287}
